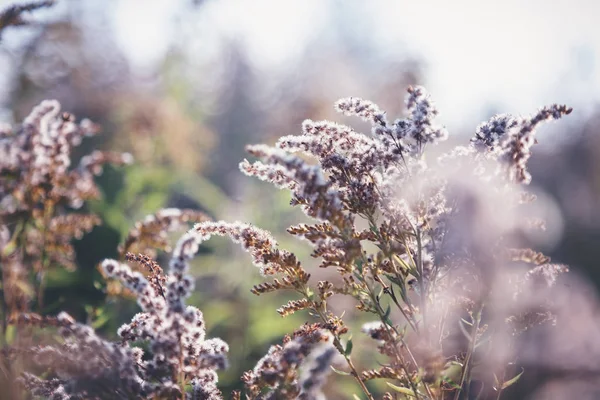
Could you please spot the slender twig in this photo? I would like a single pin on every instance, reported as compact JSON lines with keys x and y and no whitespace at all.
{"x":48,"y":209}
{"x":466,"y":375}
{"x":13,"y":242}
{"x":388,"y":255}
{"x":387,"y":327}
{"x":181,"y":376}
{"x":422,"y":285}
{"x":501,"y":383}
{"x":338,"y":345}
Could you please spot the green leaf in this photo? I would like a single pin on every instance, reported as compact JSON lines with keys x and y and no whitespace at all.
{"x":339,"y":372}
{"x":100,"y":320}
{"x":403,"y":293}
{"x":452,"y":372}
{"x":349,"y":347}
{"x":10,"y":334}
{"x":389,"y":322}
{"x":310,"y":295}
{"x":400,"y":389}
{"x":393,"y":279}
{"x":359,"y":266}
{"x":401,"y":263}
{"x":373,"y":228}
{"x":9,"y":248}
{"x":452,"y":384}
{"x":403,"y":333}
{"x":513,"y":380}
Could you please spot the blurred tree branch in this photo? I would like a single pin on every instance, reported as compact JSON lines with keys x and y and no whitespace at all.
{"x":12,"y":16}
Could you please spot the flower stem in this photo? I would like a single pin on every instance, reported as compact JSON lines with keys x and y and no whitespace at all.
{"x":466,"y":376}
{"x":338,"y":345}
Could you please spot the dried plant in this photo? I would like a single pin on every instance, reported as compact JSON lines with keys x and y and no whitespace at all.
{"x":277,"y":370}
{"x":438,"y":262}
{"x":147,"y":238}
{"x":425,"y":242}
{"x":178,"y":355}
{"x":151,"y":234}
{"x":39,"y":187}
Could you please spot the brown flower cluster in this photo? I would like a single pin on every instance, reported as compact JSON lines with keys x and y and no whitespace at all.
{"x":151,"y":234}
{"x":39,"y":187}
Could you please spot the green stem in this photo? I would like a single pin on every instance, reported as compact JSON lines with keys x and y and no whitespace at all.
{"x":181,"y":376}
{"x":422,"y":285}
{"x":11,"y":245}
{"x":338,"y":345}
{"x":48,"y":210}
{"x":390,"y":291}
{"x":385,"y":244}
{"x":381,"y":314}
{"x":466,"y":375}
{"x":501,"y":382}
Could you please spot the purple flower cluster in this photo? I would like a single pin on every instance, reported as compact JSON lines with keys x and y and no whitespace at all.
{"x":87,"y":366}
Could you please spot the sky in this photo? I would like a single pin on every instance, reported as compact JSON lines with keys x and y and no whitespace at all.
{"x":511,"y":55}
{"x":507,"y":56}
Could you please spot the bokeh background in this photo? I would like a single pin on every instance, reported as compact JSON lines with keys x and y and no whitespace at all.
{"x":184,"y":85}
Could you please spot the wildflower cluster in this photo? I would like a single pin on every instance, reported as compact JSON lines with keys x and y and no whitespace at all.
{"x":85,"y":365}
{"x":178,"y":353}
{"x":510,"y":139}
{"x":425,"y":242}
{"x":152,"y":233}
{"x":38,"y":187}
{"x":278,"y":369}
{"x":436,"y":259}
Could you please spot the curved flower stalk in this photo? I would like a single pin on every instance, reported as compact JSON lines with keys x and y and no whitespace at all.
{"x":444,"y":229}
{"x":152,"y":233}
{"x":150,"y":236}
{"x":178,"y":355}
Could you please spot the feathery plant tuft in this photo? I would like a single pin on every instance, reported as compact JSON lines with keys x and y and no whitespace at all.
{"x":40,"y":189}
{"x":426,"y":242}
{"x":438,"y":262}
